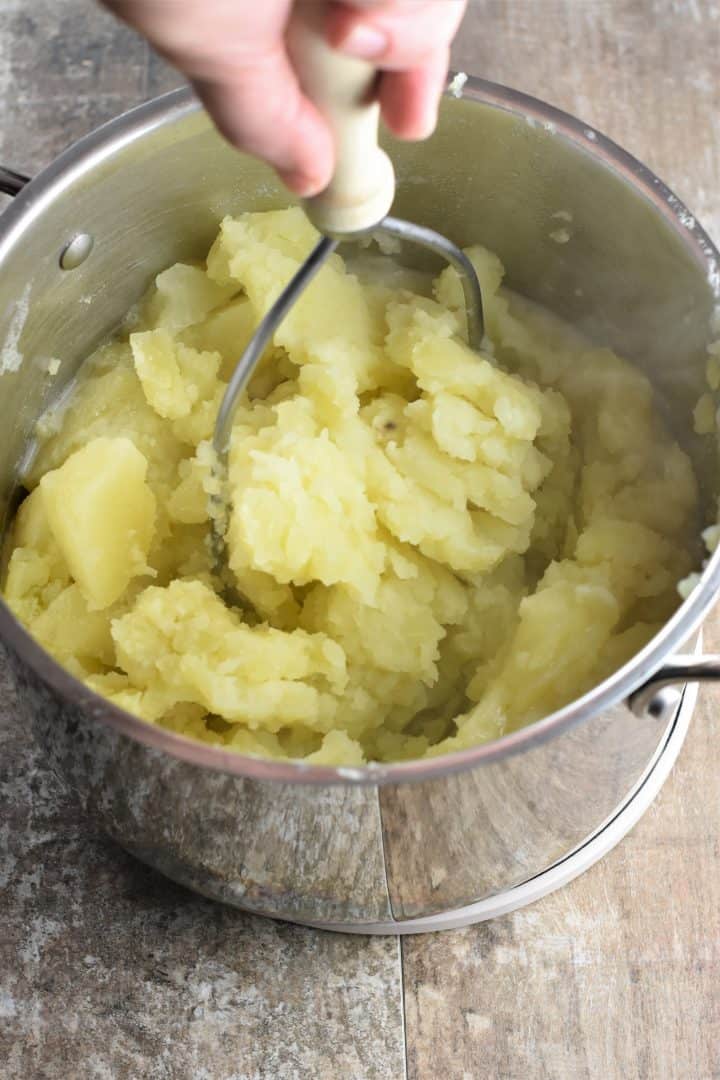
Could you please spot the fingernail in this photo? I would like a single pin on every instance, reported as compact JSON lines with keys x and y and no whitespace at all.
{"x":365,"y":42}
{"x":427,"y":125}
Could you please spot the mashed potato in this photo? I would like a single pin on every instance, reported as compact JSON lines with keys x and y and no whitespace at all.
{"x":438,"y":547}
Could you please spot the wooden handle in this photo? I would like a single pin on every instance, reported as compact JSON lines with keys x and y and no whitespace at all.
{"x":362,"y":189}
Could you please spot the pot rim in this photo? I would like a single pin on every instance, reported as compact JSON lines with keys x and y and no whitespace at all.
{"x":100,"y":146}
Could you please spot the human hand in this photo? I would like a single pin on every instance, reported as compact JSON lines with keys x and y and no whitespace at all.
{"x":233,"y":52}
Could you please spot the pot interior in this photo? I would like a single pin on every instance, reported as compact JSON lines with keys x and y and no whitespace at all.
{"x":151,"y":189}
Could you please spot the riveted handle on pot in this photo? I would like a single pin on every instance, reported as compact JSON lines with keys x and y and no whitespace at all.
{"x":652,"y":697}
{"x":362,"y":189}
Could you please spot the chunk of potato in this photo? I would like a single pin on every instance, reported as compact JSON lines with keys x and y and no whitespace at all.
{"x":109,"y":402}
{"x":75,"y":630}
{"x":174,"y":377}
{"x":300,"y":511}
{"x":183,"y":645}
{"x":36,"y":571}
{"x":184,"y":295}
{"x":101,"y":513}
{"x":332,"y":323}
{"x":226,"y":331}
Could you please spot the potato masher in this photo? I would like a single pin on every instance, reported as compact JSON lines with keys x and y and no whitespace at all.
{"x":354,"y":205}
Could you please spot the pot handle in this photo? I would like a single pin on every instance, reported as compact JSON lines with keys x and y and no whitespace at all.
{"x":653,"y":697}
{"x":12,"y":182}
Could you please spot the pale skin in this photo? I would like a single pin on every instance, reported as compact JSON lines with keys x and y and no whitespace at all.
{"x":233,"y":52}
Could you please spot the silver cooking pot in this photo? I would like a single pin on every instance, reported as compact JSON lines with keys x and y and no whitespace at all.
{"x":390,"y":848}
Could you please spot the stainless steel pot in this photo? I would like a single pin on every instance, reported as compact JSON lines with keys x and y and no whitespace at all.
{"x":392,"y":848}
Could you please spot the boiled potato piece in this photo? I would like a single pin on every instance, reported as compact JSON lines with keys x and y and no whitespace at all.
{"x":226,"y":331}
{"x":101,"y":514}
{"x":184,"y":295}
{"x":37,"y":571}
{"x":175,"y":378}
{"x":78,"y":632}
{"x":333,"y":318}
{"x":301,"y":513}
{"x":180,"y":644}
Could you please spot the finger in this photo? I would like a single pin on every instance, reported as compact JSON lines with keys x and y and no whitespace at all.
{"x":409,"y":99}
{"x":260,"y":109}
{"x":394,"y":35}
{"x":200,"y":36}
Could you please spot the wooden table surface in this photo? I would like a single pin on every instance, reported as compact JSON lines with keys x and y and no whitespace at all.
{"x":108,"y":971}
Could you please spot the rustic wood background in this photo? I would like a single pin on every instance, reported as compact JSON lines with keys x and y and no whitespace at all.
{"x":108,"y":971}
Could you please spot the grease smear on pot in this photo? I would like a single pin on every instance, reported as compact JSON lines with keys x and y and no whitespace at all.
{"x":11,"y":357}
{"x":441,"y":546}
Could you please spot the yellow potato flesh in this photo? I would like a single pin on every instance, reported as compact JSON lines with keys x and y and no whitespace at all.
{"x":101,"y":514}
{"x":439,"y":546}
